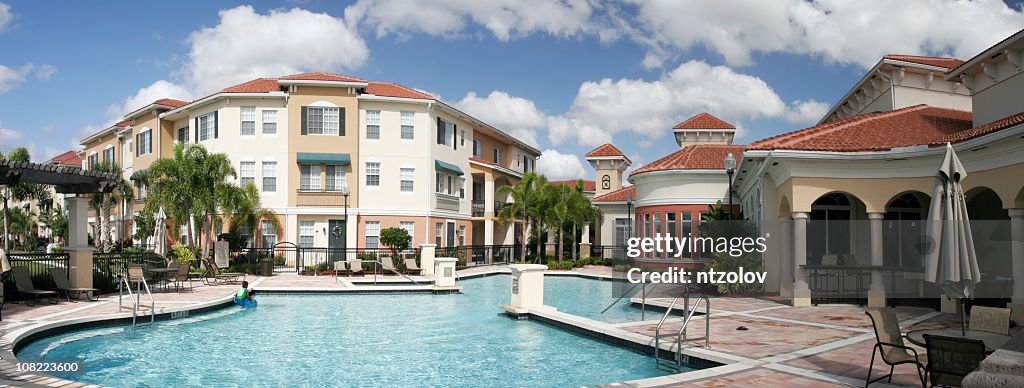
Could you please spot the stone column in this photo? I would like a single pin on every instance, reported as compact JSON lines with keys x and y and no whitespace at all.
{"x":427,"y":258}
{"x":527,"y":288}
{"x":585,"y":242}
{"x":489,"y":231}
{"x":1017,"y":260}
{"x":876,"y":295}
{"x":489,"y":197}
{"x":785,"y":256}
{"x":78,"y":249}
{"x":801,"y":292}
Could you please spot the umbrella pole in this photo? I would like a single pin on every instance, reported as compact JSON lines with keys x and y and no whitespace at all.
{"x":963,"y":317}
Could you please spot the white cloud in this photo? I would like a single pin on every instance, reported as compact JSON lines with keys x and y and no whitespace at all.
{"x":46,"y":71}
{"x":48,"y":129}
{"x":558,"y":166}
{"x":145,"y":96}
{"x":5,"y":16}
{"x":802,"y":112}
{"x":12,"y":78}
{"x":246,"y":45}
{"x":562,"y":129}
{"x":838,"y":31}
{"x":517,"y":116}
{"x":505,"y":19}
{"x":50,"y":152}
{"x":7,"y":137}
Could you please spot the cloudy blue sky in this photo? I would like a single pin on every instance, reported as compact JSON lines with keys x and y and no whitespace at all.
{"x":565,"y":75}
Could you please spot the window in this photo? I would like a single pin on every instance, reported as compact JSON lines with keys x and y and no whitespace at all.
{"x":140,"y":190}
{"x":269,"y":122}
{"x":183,"y":135}
{"x":322,"y":120}
{"x":246,"y":235}
{"x":410,"y":227}
{"x":307,"y":237}
{"x":670,"y":225}
{"x":439,"y":179}
{"x":94,"y":161}
{"x":621,"y":231}
{"x":145,"y":142}
{"x":126,"y":154}
{"x":269,"y":234}
{"x":478,"y":149}
{"x":335,"y":175}
{"x":372,"y":234}
{"x":451,"y":187}
{"x":373,"y":124}
{"x":207,"y":127}
{"x":408,"y":177}
{"x":373,"y":174}
{"x":657,"y":224}
{"x":408,"y":125}
{"x":309,"y":177}
{"x":438,"y":230}
{"x":497,"y":155}
{"x":462,"y":140}
{"x":248,"y":120}
{"x":462,"y":188}
{"x":269,"y":176}
{"x":462,"y":235}
{"x":247,"y":174}
{"x":445,"y":133}
{"x":647,"y":225}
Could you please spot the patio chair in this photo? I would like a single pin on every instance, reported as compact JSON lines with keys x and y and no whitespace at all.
{"x":412,"y":268}
{"x":355,"y":267}
{"x":180,"y":278}
{"x":60,"y":278}
{"x":890,"y":345}
{"x":23,"y":281}
{"x":387,"y":264}
{"x":339,"y":268}
{"x":990,"y":319}
{"x":136,"y":274}
{"x":227,"y":277}
{"x":952,"y":358}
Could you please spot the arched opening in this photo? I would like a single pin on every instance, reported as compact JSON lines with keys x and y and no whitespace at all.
{"x":831,"y":228}
{"x":785,"y":210}
{"x":990,"y":231}
{"x":903,"y":230}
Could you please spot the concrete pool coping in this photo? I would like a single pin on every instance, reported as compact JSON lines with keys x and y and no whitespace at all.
{"x":13,"y":341}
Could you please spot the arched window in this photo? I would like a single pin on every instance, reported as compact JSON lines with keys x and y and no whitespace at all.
{"x":606,"y":182}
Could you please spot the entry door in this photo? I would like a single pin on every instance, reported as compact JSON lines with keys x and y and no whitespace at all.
{"x":451,"y":234}
{"x":337,"y":231}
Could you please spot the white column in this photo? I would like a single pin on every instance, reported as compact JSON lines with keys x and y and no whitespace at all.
{"x":549,"y":247}
{"x":489,"y":231}
{"x":78,"y":249}
{"x":801,"y":292}
{"x":876,"y":295}
{"x":291,"y":229}
{"x":786,"y":256}
{"x":527,"y":288}
{"x":427,"y":258}
{"x":488,"y":197}
{"x":1017,"y":260}
{"x":585,"y":242}
{"x":444,"y":275}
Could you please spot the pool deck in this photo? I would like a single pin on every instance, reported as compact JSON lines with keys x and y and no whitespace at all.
{"x":828,"y":345}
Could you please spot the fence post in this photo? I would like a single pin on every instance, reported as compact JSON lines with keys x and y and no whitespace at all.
{"x":79,"y":251}
{"x":427,"y":258}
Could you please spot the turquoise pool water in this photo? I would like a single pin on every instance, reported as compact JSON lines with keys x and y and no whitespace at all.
{"x":361,"y":340}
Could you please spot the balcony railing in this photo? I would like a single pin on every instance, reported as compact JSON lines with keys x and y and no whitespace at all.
{"x":320,"y":198}
{"x":478,"y":208}
{"x":446,"y":202}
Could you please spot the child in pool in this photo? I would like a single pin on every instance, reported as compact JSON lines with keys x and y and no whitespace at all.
{"x":243,"y":294}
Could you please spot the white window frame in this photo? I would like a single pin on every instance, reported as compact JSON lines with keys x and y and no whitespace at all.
{"x":372,"y":125}
{"x":372,"y":230}
{"x":373,"y":171}
{"x":406,"y":179}
{"x":207,"y":127}
{"x":410,"y":227}
{"x":333,"y":181}
{"x":183,"y":139}
{"x":497,"y":155}
{"x":309,"y":177}
{"x":408,"y":125}
{"x":146,"y":141}
{"x":439,"y":179}
{"x":246,"y":173}
{"x":269,"y":117}
{"x":265,"y":227}
{"x":269,"y":176}
{"x":325,"y":118}
{"x":307,"y":234}
{"x":248,"y":116}
{"x":112,"y":154}
{"x":478,"y":148}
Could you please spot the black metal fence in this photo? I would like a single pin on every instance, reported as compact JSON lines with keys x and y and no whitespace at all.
{"x":477,"y":255}
{"x":106,"y":267}
{"x":38,"y":265}
{"x":613,"y":252}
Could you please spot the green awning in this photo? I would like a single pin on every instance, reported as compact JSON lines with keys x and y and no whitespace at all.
{"x":313,"y":157}
{"x":138,"y":175}
{"x":439,"y":165}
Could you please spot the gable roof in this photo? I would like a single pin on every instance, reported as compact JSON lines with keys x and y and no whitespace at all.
{"x":175,"y":104}
{"x":606,"y":150}
{"x":319,"y":76}
{"x":617,"y":195}
{"x":389,"y":89}
{"x":694,"y":157}
{"x":704,"y":121}
{"x":587,"y":185}
{"x":259,"y":85}
{"x":948,"y":63}
{"x":69,"y":158}
{"x":880,"y":131}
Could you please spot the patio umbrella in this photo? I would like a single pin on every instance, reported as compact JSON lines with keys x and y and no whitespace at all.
{"x":4,"y":264}
{"x":951,"y":262}
{"x":160,"y":245}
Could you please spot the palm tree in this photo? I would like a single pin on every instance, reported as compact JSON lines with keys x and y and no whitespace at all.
{"x":248,"y":212}
{"x":526,"y":198}
{"x":103,"y":202}
{"x":580,"y":212}
{"x":557,"y":208}
{"x":19,"y":192}
{"x":56,"y":222}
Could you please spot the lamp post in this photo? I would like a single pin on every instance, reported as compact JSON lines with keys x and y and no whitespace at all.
{"x":345,"y":193}
{"x":629,"y":215}
{"x":730,"y":168}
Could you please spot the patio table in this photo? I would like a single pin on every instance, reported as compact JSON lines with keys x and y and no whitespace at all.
{"x":992,"y":341}
{"x":161,"y":273}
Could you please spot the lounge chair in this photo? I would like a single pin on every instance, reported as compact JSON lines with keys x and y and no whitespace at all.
{"x":952,"y":358}
{"x":990,"y":319}
{"x":890,"y":345}
{"x":180,"y":278}
{"x":339,"y":268}
{"x":214,"y":270}
{"x":412,"y":268}
{"x":355,"y":267}
{"x":60,"y":278}
{"x":387,"y":264}
{"x":23,"y":281}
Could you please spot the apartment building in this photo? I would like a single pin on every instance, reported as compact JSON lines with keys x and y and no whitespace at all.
{"x":405,"y":158}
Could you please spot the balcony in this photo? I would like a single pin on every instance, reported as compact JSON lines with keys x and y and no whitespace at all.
{"x":446,"y":202}
{"x":478,"y":208}
{"x":320,"y":199}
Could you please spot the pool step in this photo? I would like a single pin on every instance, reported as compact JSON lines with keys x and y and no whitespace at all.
{"x":680,"y":337}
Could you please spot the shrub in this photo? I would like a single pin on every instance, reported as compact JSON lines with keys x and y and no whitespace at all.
{"x":182,"y":254}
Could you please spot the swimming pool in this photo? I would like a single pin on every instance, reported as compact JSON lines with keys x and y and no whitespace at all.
{"x":361,"y":340}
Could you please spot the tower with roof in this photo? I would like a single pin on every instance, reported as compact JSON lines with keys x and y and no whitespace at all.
{"x":704,"y":129}
{"x":609,"y":162}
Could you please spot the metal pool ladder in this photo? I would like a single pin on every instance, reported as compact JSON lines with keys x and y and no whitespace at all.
{"x":124,"y":285}
{"x":680,"y":336}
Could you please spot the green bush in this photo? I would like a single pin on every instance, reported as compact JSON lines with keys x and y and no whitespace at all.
{"x":182,"y":254}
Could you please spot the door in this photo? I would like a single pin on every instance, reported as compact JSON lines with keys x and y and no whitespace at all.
{"x":450,"y":240}
{"x":336,"y":239}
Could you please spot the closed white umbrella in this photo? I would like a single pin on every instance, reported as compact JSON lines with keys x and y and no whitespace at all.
{"x":951,"y":262}
{"x":4,"y":264}
{"x":160,"y":245}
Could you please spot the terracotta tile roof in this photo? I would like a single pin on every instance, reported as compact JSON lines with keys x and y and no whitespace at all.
{"x":170,"y":102}
{"x":478,"y":160}
{"x":982,"y":130}
{"x":617,"y":195}
{"x":322,"y":77}
{"x":123,"y":124}
{"x":704,"y":121}
{"x":606,"y":150}
{"x":880,"y":131}
{"x":948,"y":63}
{"x":587,"y":185}
{"x":69,"y":158}
{"x":259,"y":85}
{"x":694,"y":157}
{"x":388,"y":89}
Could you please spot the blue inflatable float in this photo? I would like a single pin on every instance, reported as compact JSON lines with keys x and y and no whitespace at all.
{"x":245,"y":302}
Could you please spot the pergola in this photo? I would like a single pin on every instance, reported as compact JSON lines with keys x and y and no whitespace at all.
{"x":67,"y":180}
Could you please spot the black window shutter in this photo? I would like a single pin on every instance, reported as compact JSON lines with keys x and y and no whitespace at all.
{"x":440,"y":131}
{"x":303,"y":119}
{"x":341,"y":121}
{"x":149,"y":142}
{"x":215,"y":134}
{"x":197,"y":131}
{"x":455,"y":136}
{"x":136,"y":144}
